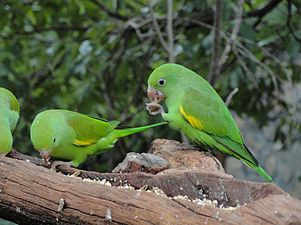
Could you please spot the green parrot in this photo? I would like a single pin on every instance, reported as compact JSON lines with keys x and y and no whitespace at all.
{"x":196,"y":109}
{"x":9,"y":115}
{"x":73,"y":136}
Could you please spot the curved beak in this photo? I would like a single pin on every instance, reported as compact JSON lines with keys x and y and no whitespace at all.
{"x":45,"y":155}
{"x":155,"y":95}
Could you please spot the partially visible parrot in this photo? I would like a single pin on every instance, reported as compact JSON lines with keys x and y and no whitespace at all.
{"x":9,"y":115}
{"x":72,"y":136}
{"x":196,"y":109}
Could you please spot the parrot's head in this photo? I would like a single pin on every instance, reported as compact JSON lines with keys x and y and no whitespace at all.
{"x":43,"y":135}
{"x":165,"y":82}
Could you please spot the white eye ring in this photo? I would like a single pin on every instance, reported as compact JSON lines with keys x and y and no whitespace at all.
{"x":161,"y":82}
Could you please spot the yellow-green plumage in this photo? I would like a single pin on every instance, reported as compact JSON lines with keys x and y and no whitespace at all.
{"x":73,"y":136}
{"x":196,"y":109}
{"x":9,"y":115}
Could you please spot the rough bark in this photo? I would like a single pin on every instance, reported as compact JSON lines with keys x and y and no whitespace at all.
{"x":191,"y":189}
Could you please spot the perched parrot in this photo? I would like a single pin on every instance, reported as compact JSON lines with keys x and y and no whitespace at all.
{"x":196,"y":109}
{"x":9,"y":115}
{"x":72,"y":136}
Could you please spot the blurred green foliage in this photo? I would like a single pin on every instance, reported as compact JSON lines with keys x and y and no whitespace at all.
{"x":95,"y":57}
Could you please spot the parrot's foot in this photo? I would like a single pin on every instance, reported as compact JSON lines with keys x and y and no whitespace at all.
{"x":76,"y":173}
{"x":58,"y":163}
{"x":154,"y":108}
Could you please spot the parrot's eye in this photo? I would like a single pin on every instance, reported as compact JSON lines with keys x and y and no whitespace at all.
{"x":161,"y":82}
{"x":53,"y":140}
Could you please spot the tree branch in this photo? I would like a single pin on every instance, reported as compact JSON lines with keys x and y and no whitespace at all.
{"x":260,"y":13}
{"x":263,"y":11}
{"x":169,"y":29}
{"x":215,"y":69}
{"x":288,"y":21}
{"x":194,"y":190}
{"x":230,"y":96}
{"x":235,"y":30}
{"x":100,"y":5}
{"x":59,"y":28}
{"x":158,"y":30}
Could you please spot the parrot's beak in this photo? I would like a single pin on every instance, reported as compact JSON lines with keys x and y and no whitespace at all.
{"x":45,"y":155}
{"x":155,"y":95}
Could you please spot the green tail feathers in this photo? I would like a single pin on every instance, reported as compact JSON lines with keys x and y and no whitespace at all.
{"x":255,"y":165}
{"x":243,"y":153}
{"x":258,"y":169}
{"x":264,"y":174}
{"x":118,"y":133}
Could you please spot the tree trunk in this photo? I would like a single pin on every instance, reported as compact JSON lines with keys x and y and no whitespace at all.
{"x":190,"y":188}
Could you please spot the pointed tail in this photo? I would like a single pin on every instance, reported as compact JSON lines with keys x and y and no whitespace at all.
{"x":255,"y":166}
{"x":118,"y":133}
{"x":243,"y":153}
{"x":264,"y":174}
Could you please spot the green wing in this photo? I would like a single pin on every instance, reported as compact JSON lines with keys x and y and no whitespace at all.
{"x":206,"y":111}
{"x":89,"y":130}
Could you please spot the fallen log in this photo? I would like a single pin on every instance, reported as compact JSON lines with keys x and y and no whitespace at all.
{"x":184,"y":186}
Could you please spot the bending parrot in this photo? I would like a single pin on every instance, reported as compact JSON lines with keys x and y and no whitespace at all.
{"x":9,"y":115}
{"x":196,"y":109}
{"x":72,"y":136}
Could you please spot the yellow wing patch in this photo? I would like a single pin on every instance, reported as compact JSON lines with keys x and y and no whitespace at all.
{"x":84,"y":143}
{"x":192,"y":120}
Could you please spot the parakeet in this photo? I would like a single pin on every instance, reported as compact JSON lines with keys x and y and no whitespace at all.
{"x":72,"y":136}
{"x":196,"y":109}
{"x":9,"y":115}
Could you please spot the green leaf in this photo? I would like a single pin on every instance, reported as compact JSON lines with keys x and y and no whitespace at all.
{"x":293,"y":46}
{"x":247,"y":31}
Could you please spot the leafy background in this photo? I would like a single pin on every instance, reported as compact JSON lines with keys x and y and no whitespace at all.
{"x":95,"y":56}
